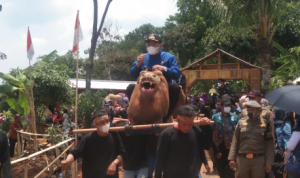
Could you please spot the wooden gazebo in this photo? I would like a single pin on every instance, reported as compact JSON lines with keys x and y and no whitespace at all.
{"x":241,"y":70}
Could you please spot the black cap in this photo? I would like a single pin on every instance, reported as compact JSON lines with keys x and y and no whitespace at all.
{"x":99,"y":113}
{"x":254,"y":93}
{"x":221,"y":79}
{"x":153,"y":37}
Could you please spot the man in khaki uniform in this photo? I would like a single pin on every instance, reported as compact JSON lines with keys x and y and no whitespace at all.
{"x":252,"y":147}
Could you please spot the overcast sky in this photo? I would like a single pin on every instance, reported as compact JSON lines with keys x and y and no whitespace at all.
{"x":52,"y":22}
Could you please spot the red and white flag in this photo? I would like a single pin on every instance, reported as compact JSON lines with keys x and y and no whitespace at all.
{"x":30,"y":50}
{"x":78,"y":34}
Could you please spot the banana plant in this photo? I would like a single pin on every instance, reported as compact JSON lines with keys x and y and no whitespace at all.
{"x":18,"y":95}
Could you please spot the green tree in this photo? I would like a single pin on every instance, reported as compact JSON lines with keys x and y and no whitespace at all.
{"x":260,"y":18}
{"x":236,"y":41}
{"x":136,"y":38}
{"x":19,"y":96}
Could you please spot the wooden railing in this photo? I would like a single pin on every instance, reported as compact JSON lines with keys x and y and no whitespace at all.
{"x":25,"y":160}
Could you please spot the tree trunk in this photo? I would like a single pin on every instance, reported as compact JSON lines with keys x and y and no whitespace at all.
{"x":266,"y":71}
{"x":89,"y":65}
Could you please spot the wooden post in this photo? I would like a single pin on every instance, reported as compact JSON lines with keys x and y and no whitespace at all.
{"x":239,"y":68}
{"x":73,"y":168}
{"x":18,"y":144}
{"x":57,"y":154}
{"x":26,"y":169}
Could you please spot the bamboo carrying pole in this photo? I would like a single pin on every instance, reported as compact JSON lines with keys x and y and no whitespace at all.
{"x":55,"y":160}
{"x":134,"y":127}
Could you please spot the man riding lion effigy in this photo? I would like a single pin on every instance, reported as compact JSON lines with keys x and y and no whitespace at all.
{"x":155,"y":96}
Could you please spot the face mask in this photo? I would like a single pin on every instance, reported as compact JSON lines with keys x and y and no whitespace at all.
{"x":104,"y":128}
{"x":227,"y":109}
{"x":218,"y":109}
{"x":253,"y":115}
{"x":219,"y":84}
{"x":152,"y":50}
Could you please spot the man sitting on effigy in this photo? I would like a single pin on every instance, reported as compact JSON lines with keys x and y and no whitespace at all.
{"x":101,"y":151}
{"x":158,"y":60}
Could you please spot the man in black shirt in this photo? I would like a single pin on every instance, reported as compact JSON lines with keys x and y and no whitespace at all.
{"x":4,"y":153}
{"x":222,"y":88}
{"x":179,"y":147}
{"x":101,"y":151}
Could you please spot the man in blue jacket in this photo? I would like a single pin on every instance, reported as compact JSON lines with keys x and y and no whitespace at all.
{"x":156,"y":59}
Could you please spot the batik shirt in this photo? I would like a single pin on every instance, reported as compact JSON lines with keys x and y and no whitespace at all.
{"x":223,"y":128}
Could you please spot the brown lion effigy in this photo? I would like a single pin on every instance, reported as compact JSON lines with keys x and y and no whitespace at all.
{"x":149,"y":101}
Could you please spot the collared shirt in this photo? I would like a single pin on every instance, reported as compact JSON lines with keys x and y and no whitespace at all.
{"x":162,"y":58}
{"x":224,"y":128}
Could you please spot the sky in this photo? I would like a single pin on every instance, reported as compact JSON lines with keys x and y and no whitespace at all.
{"x":51,"y":24}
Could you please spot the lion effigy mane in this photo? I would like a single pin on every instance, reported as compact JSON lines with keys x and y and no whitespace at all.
{"x":149,"y":101}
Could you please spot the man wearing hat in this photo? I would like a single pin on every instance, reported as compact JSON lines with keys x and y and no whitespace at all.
{"x":252,"y":150}
{"x":266,"y":114}
{"x":222,"y":89}
{"x":14,"y":126}
{"x":101,"y":151}
{"x":156,"y":59}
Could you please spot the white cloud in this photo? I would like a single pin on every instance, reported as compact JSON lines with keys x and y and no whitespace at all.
{"x":52,"y":24}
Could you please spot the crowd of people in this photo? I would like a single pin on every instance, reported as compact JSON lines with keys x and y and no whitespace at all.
{"x":248,"y":138}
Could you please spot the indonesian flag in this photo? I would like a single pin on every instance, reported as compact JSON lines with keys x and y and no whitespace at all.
{"x":30,"y":50}
{"x":78,"y":34}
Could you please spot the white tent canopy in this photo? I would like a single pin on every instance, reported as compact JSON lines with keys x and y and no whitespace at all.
{"x":296,"y":80}
{"x":102,"y":84}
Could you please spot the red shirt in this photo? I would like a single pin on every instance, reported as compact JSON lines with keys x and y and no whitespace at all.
{"x":14,"y":126}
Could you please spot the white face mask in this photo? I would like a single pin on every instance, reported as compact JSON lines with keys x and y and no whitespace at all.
{"x":219,"y":84}
{"x":227,"y":109}
{"x":104,"y":128}
{"x":152,"y":50}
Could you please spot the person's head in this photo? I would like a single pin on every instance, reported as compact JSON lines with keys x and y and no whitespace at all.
{"x":17,"y":117}
{"x":279,"y":115}
{"x":243,"y":100}
{"x":264,"y":103}
{"x":66,"y":111}
{"x":197,"y":98}
{"x":196,"y":109}
{"x":185,"y":118}
{"x":101,"y":122}
{"x":255,"y":95}
{"x":57,"y":107}
{"x":153,"y":44}
{"x":218,"y":105}
{"x":221,"y":82}
{"x":225,"y":105}
{"x":129,"y":90}
{"x":253,"y":109}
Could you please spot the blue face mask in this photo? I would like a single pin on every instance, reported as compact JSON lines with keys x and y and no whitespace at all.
{"x":218,"y":109}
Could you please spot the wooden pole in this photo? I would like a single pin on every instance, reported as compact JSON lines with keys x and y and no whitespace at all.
{"x":31,"y":105}
{"x":40,"y":152}
{"x":76,"y":98}
{"x":26,"y":169}
{"x":18,"y":144}
{"x":134,"y":127}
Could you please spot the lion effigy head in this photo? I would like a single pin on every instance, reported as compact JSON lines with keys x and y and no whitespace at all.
{"x":149,"y":101}
{"x":149,"y":82}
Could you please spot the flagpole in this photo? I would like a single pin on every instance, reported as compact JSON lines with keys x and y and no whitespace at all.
{"x":76,"y":104}
{"x":31,"y":102}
